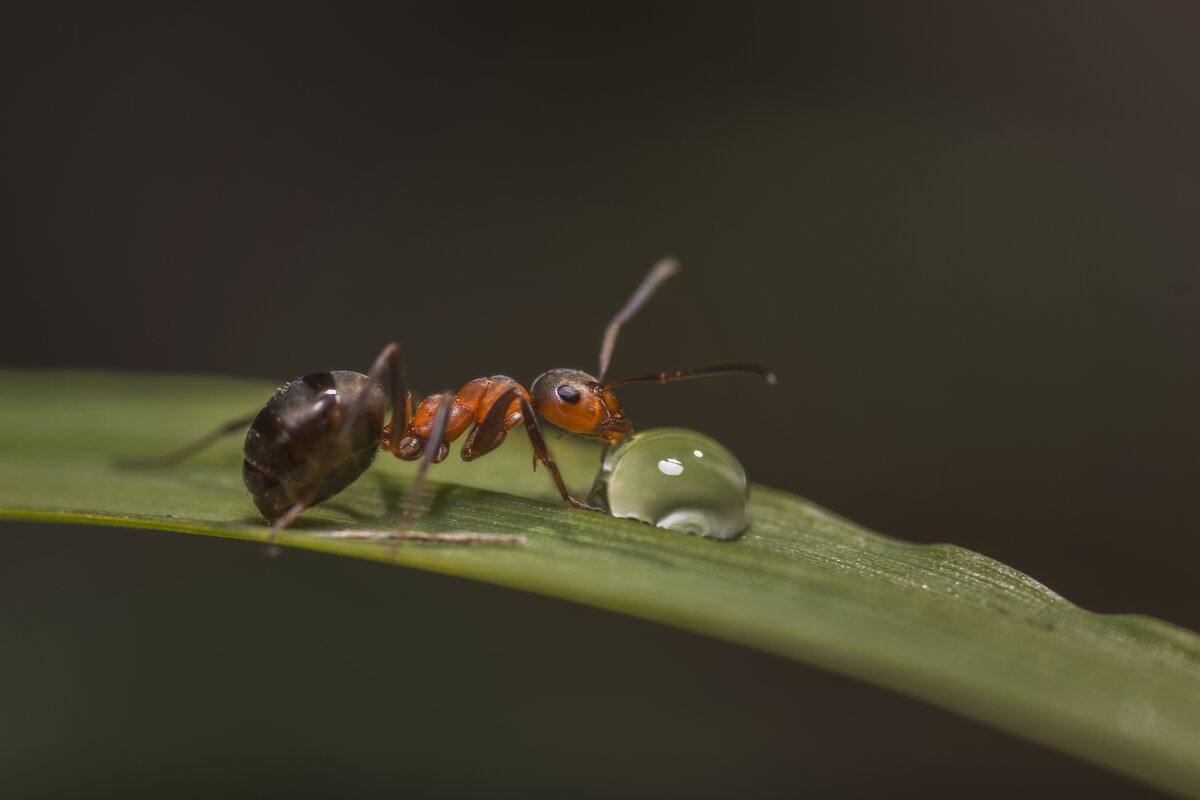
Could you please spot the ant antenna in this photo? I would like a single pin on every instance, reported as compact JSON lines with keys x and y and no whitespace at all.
{"x":700,"y":372}
{"x":658,"y":273}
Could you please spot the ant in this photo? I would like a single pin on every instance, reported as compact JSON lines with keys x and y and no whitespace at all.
{"x":318,"y":434}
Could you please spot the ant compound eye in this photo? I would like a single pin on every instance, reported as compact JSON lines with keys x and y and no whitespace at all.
{"x":567,"y":393}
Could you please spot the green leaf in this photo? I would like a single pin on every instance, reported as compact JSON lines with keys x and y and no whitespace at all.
{"x":933,"y":621}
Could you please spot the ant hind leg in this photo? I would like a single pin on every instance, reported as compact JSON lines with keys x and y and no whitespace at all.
{"x":171,"y":459}
{"x":392,"y":358}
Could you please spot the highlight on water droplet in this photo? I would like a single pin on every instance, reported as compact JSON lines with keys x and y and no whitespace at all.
{"x":670,"y":466}
{"x":678,"y":479}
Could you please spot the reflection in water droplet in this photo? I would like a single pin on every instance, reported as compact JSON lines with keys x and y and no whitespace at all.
{"x":678,"y":479}
{"x":670,"y":466}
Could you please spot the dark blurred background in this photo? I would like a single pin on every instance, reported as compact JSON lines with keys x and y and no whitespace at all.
{"x":964,"y":236}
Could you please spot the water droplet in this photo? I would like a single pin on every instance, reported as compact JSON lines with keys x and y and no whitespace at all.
{"x":678,"y":479}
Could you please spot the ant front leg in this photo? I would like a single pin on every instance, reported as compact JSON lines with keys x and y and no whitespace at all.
{"x":492,"y":429}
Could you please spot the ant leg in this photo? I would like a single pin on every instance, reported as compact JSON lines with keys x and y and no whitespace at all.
{"x":432,"y":446}
{"x":540,"y":451}
{"x":392,"y":358}
{"x":187,"y":451}
{"x":279,"y":524}
{"x":489,"y":434}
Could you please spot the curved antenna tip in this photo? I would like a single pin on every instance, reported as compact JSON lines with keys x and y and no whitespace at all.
{"x":667,"y":265}
{"x":771,"y":379}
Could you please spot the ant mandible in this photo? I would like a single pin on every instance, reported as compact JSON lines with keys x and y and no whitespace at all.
{"x":319,"y":433}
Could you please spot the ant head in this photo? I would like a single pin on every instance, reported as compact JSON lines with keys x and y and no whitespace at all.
{"x":578,"y":402}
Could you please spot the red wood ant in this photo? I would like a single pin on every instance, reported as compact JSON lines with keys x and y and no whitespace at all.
{"x":319,"y":433}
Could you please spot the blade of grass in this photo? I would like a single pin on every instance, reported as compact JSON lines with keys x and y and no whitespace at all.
{"x":934,"y":621}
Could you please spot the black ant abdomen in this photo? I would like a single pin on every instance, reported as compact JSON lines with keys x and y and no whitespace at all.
{"x":314,"y":437}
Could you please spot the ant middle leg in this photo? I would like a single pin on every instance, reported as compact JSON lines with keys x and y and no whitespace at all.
{"x":437,"y":433}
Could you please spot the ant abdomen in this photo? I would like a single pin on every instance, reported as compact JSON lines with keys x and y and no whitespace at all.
{"x":297,"y":453}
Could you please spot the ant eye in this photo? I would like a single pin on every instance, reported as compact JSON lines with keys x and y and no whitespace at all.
{"x":567,"y":393}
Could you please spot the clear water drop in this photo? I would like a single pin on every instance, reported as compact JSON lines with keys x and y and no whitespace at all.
{"x":678,"y":479}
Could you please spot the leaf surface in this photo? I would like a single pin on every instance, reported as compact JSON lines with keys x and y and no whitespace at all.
{"x":937,"y":622}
